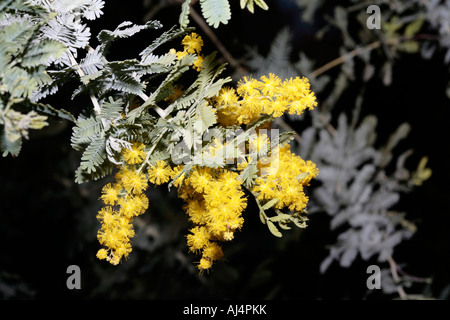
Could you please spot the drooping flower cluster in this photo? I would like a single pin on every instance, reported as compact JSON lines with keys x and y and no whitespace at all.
{"x":214,"y":203}
{"x":124,"y":199}
{"x":269,"y":95}
{"x":284,"y":179}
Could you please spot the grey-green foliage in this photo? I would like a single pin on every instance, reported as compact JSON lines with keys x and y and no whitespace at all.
{"x":406,"y":27}
{"x":355,"y":187}
{"x":25,"y":54}
{"x":102,"y":134}
{"x":41,"y":41}
{"x":277,"y":60}
{"x":135,"y":104}
{"x":217,"y":12}
{"x":438,"y":15}
{"x":357,"y":190}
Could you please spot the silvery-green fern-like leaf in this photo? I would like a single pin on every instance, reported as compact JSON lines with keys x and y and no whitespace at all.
{"x":93,"y":62}
{"x":85,"y":130}
{"x":93,"y":9}
{"x":40,"y":54}
{"x":94,"y":155}
{"x":216,"y":11}
{"x":23,"y":7}
{"x":168,"y":35}
{"x":9,"y":146}
{"x":124,"y":30}
{"x":184,"y":15}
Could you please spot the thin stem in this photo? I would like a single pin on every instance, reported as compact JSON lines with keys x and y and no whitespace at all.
{"x":283,"y":124}
{"x":149,"y":153}
{"x":374,"y":45}
{"x":348,"y":56}
{"x":163,"y":114}
{"x":393,"y":266}
{"x":97,"y":108}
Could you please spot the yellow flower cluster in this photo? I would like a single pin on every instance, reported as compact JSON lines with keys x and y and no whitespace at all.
{"x":269,"y":95}
{"x":214,"y":203}
{"x":192,"y":43}
{"x":285,"y":180}
{"x":124,"y":199}
{"x":214,"y":197}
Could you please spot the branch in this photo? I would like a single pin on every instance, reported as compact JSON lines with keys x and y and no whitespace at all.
{"x":149,"y":153}
{"x":283,"y":124}
{"x":97,"y":108}
{"x":348,"y":56}
{"x":159,"y":110}
{"x":393,"y":266}
{"x":374,"y":45}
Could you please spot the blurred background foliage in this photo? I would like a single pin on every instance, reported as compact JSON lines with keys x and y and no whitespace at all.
{"x":381,"y":85}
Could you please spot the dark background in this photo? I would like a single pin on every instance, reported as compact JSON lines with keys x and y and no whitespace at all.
{"x":47,"y":222}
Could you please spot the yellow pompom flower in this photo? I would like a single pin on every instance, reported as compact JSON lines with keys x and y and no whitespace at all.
{"x":198,"y":238}
{"x":193,"y":43}
{"x":212,"y":251}
{"x":227,"y":96}
{"x":200,"y":178}
{"x":159,"y":173}
{"x":132,"y":181}
{"x":196,"y":211}
{"x":106,"y":215}
{"x":247,"y":86}
{"x":102,"y":254}
{"x":229,"y":179}
{"x":134,"y":155}
{"x":110,"y":194}
{"x":205,"y":264}
{"x":270,"y":85}
{"x":123,"y":250}
{"x":133,"y":206}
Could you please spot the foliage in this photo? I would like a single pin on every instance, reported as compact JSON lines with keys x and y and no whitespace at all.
{"x":25,"y":54}
{"x":358,"y":187}
{"x":143,"y":129}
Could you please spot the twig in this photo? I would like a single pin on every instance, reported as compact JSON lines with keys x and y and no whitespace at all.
{"x":369,"y":47}
{"x":159,"y":110}
{"x":97,"y":108}
{"x":393,"y":266}
{"x":149,"y":153}
{"x":348,"y":56}
{"x":283,"y":124}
